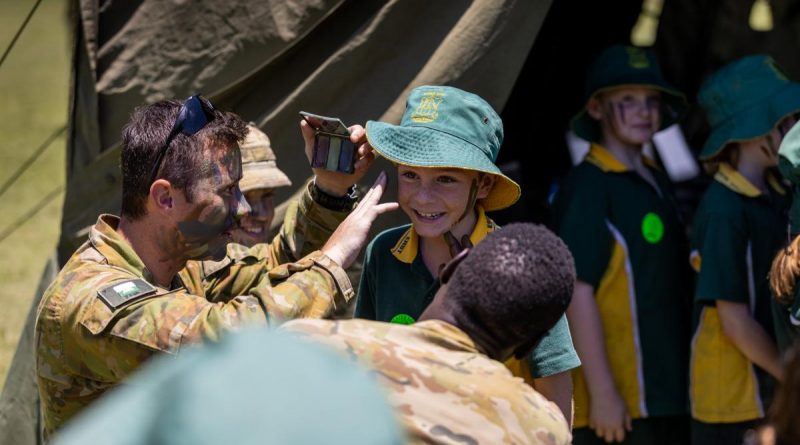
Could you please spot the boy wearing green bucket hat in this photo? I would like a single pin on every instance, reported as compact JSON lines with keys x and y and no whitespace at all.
{"x":739,"y":227}
{"x":629,"y":312}
{"x":445,"y":148}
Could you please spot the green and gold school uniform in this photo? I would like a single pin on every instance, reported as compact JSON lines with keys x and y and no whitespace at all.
{"x":396,"y":286}
{"x":628,"y":243}
{"x":738,"y":230}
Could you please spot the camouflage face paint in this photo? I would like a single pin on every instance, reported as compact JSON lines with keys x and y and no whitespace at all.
{"x":621,"y":113}
{"x":220,"y":203}
{"x":473,"y":193}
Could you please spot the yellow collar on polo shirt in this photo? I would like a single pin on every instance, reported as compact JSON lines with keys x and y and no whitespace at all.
{"x":606,"y":161}
{"x":407,"y":246}
{"x":729,"y":177}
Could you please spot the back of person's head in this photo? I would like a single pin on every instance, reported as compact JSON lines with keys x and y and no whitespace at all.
{"x":516,"y":283}
{"x":185,"y":160}
{"x":254,"y":387}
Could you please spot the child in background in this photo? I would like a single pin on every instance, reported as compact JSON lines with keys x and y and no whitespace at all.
{"x":785,"y":271}
{"x":739,"y":226}
{"x":445,"y":148}
{"x":630,"y":310}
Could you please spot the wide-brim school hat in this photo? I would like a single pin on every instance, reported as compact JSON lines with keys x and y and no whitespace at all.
{"x":259,"y":163}
{"x":744,"y":100}
{"x":627,"y":66}
{"x":789,"y":166}
{"x":445,"y":127}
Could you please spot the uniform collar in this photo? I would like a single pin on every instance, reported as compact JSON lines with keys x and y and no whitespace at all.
{"x":447,"y":335}
{"x":115,"y":249}
{"x":606,"y":161}
{"x":407,"y":246}
{"x":729,"y":177}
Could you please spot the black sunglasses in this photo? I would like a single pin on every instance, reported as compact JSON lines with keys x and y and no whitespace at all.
{"x":195,"y":113}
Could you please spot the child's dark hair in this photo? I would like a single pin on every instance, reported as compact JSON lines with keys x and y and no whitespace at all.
{"x":518,"y":281}
{"x":729,"y":155}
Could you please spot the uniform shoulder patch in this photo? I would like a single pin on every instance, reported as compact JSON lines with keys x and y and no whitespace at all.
{"x":118,"y":294}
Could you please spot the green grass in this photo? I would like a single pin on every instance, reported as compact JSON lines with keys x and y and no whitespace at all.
{"x":34,"y":92}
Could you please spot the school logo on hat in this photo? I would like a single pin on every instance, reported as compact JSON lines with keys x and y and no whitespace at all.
{"x":637,"y":58}
{"x":428,"y":109}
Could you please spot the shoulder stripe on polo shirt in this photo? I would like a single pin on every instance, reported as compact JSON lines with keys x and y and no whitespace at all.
{"x":616,"y":300}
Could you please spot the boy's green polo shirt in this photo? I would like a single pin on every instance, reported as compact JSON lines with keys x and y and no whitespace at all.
{"x":738,"y":231}
{"x":629,"y":244}
{"x":396,"y":286}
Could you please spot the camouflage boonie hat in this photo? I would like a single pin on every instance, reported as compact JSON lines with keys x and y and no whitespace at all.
{"x":259,"y":167}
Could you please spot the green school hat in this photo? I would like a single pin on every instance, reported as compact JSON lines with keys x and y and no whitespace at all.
{"x":789,"y":166}
{"x":444,"y":127}
{"x":745,"y":100}
{"x":621,"y":66}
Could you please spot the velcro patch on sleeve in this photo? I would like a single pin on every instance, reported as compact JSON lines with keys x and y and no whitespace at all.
{"x":125,"y":292}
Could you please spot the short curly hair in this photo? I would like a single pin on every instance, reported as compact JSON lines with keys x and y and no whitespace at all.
{"x":517,"y":282}
{"x":146,"y":133}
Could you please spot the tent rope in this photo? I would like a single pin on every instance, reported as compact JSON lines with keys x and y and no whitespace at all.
{"x":31,"y":213}
{"x":19,"y":32}
{"x":31,"y":159}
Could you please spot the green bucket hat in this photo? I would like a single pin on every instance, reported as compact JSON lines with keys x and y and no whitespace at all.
{"x":789,"y":166}
{"x":621,"y":66}
{"x":444,"y":127}
{"x":745,"y":100}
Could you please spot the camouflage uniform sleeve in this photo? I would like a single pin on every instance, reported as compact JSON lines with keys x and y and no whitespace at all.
{"x":306,"y":228}
{"x":167,"y":321}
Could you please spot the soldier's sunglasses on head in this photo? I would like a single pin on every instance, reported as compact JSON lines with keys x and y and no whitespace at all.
{"x":195,"y":113}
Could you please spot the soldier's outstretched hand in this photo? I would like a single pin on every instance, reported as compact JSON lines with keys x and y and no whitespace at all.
{"x":349,"y":238}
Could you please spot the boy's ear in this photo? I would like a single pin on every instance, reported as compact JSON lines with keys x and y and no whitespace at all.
{"x":485,"y":186}
{"x":594,"y":108}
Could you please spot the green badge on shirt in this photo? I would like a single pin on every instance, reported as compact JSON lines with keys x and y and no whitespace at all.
{"x":402,"y":319}
{"x":652,"y":228}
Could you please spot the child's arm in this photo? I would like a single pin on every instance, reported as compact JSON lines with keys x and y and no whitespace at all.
{"x":608,"y":415}
{"x":558,"y":389}
{"x":749,"y":337}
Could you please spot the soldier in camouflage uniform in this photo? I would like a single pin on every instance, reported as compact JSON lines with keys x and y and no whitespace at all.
{"x":444,"y":374}
{"x":260,"y":177}
{"x":120,"y":298}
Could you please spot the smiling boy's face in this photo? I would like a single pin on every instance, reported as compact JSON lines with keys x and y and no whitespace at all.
{"x":629,"y":115}
{"x":435,"y":199}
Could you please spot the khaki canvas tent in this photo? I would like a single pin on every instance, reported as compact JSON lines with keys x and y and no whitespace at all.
{"x":265,"y":60}
{"x":357,"y":59}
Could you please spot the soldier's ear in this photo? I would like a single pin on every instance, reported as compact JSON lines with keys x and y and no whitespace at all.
{"x":161,"y":194}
